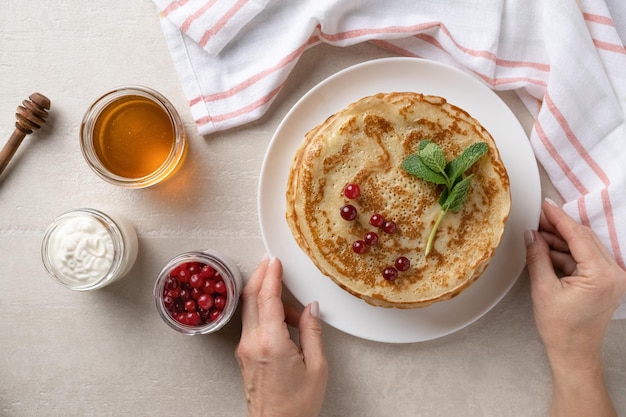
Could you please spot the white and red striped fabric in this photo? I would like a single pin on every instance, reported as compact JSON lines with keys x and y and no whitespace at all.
{"x":565,"y":59}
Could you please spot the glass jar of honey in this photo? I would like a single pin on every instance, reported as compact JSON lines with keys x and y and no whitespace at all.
{"x":132,"y":137}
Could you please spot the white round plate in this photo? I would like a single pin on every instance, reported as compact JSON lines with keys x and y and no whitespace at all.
{"x":342,"y":310}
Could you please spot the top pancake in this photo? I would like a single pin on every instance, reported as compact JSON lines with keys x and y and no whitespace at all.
{"x":366,"y":143}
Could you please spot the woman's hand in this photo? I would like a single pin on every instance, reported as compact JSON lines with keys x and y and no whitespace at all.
{"x":572,"y":312}
{"x":280,"y":379}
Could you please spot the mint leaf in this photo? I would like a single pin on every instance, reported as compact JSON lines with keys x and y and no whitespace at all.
{"x":463,"y":162}
{"x":414,"y":165}
{"x":457,"y":196}
{"x":430,"y":165}
{"x":433,"y":157}
{"x":422,"y":144}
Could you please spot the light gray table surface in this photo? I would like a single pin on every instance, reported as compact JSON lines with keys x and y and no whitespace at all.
{"x":107,"y":353}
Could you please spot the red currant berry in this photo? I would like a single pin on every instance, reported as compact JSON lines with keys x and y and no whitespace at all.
{"x":183,"y":275}
{"x":219,"y":302}
{"x":205,"y":302}
{"x":390,"y":273}
{"x":168,"y":302}
{"x":389,"y":227}
{"x":403,"y":263}
{"x":190,"y":305}
{"x":185,"y":295}
{"x":208,"y":287}
{"x":180,"y":317}
{"x":348,"y":212}
{"x":175,"y":293}
{"x":170,"y":283}
{"x":196,"y":281}
{"x":207,"y":271}
{"x":371,"y":238}
{"x":193,"y":268}
{"x":196,"y":293}
{"x":359,"y":246}
{"x":192,"y":318}
{"x":220,"y":287}
{"x":352,"y":191}
{"x":377,"y":220}
{"x":215,"y":314}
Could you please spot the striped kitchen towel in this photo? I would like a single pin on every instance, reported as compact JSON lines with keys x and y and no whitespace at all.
{"x":564,"y":58}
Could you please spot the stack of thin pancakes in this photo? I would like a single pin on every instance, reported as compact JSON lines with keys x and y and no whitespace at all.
{"x":365,"y":144}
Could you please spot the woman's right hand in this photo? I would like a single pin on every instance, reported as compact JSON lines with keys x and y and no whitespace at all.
{"x":573,"y":311}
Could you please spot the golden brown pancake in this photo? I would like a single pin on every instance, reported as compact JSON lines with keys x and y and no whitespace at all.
{"x":365,"y":144}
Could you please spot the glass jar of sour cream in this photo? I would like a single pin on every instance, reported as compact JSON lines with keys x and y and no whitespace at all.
{"x":86,"y":249}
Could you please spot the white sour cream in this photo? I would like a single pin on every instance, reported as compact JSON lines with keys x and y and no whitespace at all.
{"x":85,"y":249}
{"x":82,"y":250}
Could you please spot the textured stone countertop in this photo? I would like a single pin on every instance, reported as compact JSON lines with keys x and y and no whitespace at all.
{"x":107,"y":353}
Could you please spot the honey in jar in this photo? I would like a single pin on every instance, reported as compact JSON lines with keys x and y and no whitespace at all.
{"x":132,"y":137}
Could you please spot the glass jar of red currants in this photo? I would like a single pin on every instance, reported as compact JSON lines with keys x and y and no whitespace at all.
{"x":197,"y":292}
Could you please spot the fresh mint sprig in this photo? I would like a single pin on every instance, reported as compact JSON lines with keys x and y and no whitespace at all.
{"x":429,"y":164}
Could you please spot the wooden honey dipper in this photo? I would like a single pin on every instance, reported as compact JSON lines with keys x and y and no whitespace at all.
{"x":31,"y":115}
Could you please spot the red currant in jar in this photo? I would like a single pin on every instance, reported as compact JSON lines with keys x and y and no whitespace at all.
{"x":219,"y":302}
{"x":209,"y":287}
{"x":207,"y":298}
{"x":190,"y":305}
{"x":403,"y":263}
{"x":196,"y":281}
{"x":193,"y":268}
{"x":377,"y":220}
{"x":205,"y":301}
{"x":192,"y":318}
{"x":215,"y":314}
{"x":207,"y":271}
{"x":183,"y":275}
{"x":348,"y":212}
{"x":390,"y":273}
{"x":171,"y":283}
{"x":219,"y":287}
{"x":371,"y":238}
{"x":175,"y":293}
{"x":175,"y":271}
{"x":390,"y":227}
{"x":168,"y":302}
{"x":359,"y":246}
{"x":194,"y":294}
{"x":352,"y":191}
